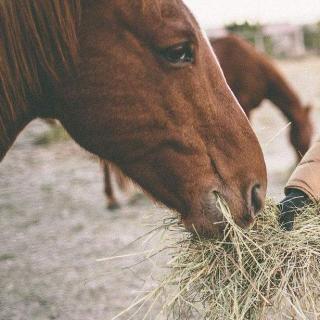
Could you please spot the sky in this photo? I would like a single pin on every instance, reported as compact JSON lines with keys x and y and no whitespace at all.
{"x":215,"y":13}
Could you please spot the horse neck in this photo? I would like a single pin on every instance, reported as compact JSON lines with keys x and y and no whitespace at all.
{"x":283,"y":95}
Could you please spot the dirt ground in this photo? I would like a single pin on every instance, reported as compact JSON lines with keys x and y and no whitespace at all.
{"x":54,"y":224}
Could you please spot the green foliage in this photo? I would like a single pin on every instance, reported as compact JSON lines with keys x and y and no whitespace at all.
{"x":245,"y":29}
{"x":312,"y":37}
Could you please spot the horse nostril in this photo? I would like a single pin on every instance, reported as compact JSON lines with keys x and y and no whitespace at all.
{"x":256,"y":198}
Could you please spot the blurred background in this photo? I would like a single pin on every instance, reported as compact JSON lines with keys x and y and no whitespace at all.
{"x":279,"y":28}
{"x":54,"y":224}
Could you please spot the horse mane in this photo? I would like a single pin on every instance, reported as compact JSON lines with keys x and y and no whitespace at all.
{"x":38,"y":41}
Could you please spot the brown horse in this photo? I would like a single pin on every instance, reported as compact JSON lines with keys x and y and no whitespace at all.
{"x":253,"y":77}
{"x":136,"y":83}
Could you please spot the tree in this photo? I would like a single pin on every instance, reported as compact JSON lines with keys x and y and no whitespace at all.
{"x":312,"y":37}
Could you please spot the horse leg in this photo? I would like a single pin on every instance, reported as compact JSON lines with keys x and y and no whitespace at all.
{"x":124,"y":184}
{"x":122,"y":181}
{"x":112,"y":203}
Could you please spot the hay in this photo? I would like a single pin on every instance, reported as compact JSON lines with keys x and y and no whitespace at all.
{"x":261,"y":273}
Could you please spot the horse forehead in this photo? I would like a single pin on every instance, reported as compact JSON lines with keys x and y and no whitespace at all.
{"x":150,"y":13}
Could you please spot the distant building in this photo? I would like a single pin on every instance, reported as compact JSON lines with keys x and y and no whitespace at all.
{"x":276,"y":39}
{"x":287,"y":39}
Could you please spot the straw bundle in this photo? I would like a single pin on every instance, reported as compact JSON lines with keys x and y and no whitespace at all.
{"x":261,"y":273}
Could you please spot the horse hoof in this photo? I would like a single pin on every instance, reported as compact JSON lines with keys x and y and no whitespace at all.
{"x":113,"y":206}
{"x":136,"y":198}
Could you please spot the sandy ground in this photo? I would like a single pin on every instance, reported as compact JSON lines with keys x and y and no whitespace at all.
{"x":54,"y":224}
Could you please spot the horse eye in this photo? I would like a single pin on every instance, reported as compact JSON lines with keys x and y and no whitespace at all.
{"x":180,"y":54}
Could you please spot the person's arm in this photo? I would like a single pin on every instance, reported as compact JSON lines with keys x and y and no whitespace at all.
{"x":302,"y":188}
{"x":306,"y":176}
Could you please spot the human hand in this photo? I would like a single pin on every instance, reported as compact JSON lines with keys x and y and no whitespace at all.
{"x":292,"y":204}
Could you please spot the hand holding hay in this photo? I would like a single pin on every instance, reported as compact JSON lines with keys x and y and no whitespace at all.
{"x":261,"y":273}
